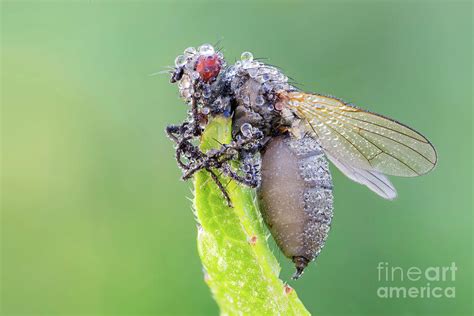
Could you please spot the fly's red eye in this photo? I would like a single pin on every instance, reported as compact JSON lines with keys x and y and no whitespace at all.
{"x":208,"y":67}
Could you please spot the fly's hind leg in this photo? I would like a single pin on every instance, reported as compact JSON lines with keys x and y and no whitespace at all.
{"x":250,"y":179}
{"x":221,"y":187}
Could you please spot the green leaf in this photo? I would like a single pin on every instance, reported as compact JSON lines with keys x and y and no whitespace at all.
{"x":240,"y":268}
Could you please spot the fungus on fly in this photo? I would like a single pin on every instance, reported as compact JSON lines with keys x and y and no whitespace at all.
{"x":283,"y":139}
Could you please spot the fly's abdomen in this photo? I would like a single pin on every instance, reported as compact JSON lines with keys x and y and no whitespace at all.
{"x":296,"y":198}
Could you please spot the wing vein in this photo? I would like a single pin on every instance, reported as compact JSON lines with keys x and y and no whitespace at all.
{"x":363,"y":140}
{"x":366,"y":158}
{"x":342,"y":137}
{"x":392,"y":139}
{"x":424,"y":140}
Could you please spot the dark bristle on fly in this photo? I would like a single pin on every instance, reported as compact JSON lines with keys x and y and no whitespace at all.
{"x":300,"y":264}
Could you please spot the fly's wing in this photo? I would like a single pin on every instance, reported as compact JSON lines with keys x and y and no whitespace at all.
{"x":362,"y":144}
{"x":374,"y":180}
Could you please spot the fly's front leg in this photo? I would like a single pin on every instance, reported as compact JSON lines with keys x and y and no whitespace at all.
{"x":244,"y":148}
{"x":174,"y":132}
{"x":180,"y":135}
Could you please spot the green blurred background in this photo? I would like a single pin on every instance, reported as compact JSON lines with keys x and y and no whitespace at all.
{"x":95,"y":220}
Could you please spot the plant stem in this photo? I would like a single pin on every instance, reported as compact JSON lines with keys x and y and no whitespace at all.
{"x":240,"y":269}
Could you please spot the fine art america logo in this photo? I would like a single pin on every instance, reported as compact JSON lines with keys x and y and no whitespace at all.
{"x":416,"y":282}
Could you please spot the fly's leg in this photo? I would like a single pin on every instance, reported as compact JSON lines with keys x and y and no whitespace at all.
{"x":250,"y":179}
{"x":221,"y":187}
{"x":176,"y":134}
{"x":179,"y":134}
{"x":246,"y":148}
{"x":191,"y":159}
{"x":173,"y":131}
{"x":182,"y":135}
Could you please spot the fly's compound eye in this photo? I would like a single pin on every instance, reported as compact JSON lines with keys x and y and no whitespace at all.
{"x":209,"y":63}
{"x":203,"y":63}
{"x":208,"y":67}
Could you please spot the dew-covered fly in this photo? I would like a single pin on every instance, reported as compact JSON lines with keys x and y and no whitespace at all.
{"x":282,"y":138}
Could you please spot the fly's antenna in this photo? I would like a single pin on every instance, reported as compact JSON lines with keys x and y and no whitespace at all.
{"x":168,"y":70}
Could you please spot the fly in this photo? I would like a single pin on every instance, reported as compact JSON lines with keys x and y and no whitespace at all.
{"x":283,"y":139}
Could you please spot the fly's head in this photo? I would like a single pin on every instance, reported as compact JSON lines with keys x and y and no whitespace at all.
{"x":196,"y":70}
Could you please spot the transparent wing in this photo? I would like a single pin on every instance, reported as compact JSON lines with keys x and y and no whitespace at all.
{"x":374,"y":180}
{"x":361,"y":139}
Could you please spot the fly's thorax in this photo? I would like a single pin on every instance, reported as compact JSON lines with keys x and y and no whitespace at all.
{"x":254,"y":86}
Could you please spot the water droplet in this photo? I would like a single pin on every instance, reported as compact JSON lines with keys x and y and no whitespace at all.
{"x":281,"y":78}
{"x":195,"y":75}
{"x":267,"y":87}
{"x":189,"y":66}
{"x":246,"y":57}
{"x":252,"y":72}
{"x":206,"y":93}
{"x":206,"y":49}
{"x":186,"y":94}
{"x":259,"y":100}
{"x":180,"y":61}
{"x":205,"y":110}
{"x":246,"y":130}
{"x":190,"y":51}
